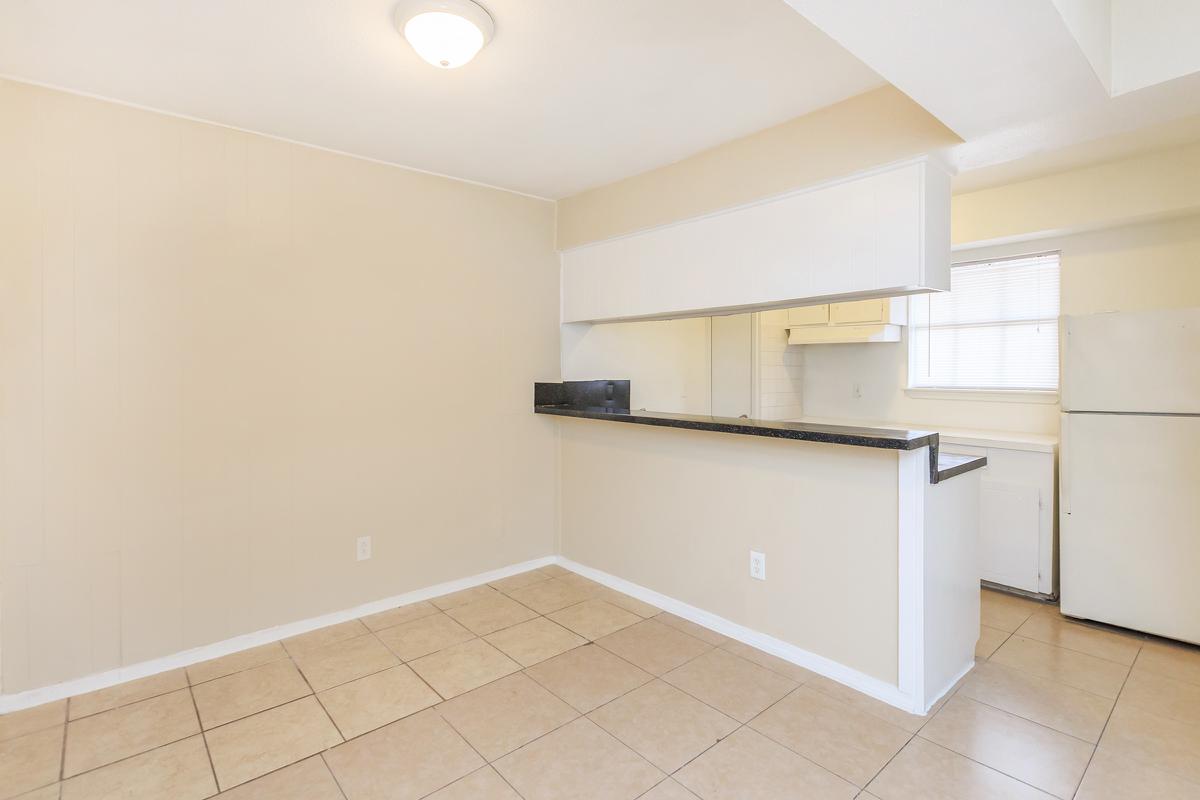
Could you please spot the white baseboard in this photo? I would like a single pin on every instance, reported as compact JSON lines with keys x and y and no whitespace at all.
{"x":90,"y":683}
{"x":874,"y":687}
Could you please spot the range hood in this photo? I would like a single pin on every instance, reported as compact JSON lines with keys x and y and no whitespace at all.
{"x":843,"y":334}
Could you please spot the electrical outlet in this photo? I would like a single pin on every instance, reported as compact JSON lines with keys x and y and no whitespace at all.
{"x":758,"y":565}
{"x":856,"y":391}
{"x":362,"y":548}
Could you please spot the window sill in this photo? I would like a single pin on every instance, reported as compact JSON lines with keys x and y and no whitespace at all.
{"x":986,"y":395}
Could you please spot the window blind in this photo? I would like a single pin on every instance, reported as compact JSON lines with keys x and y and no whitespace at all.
{"x":997,"y":327}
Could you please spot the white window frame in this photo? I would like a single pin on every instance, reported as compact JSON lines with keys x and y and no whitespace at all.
{"x":990,"y":395}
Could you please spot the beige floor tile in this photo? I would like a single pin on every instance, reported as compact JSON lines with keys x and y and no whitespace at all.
{"x":849,"y":743}
{"x":482,"y":784}
{"x":51,"y":792}
{"x":403,"y":761}
{"x":374,"y":701}
{"x":244,"y":750}
{"x":520,"y":580}
{"x":594,"y":618}
{"x":309,"y":779}
{"x":124,"y":694}
{"x":30,"y":761}
{"x":505,"y":714}
{"x":1111,"y":777}
{"x":692,"y":629}
{"x":456,"y":599}
{"x":248,"y":692}
{"x":578,"y":761}
{"x":1071,"y":667}
{"x":554,"y":594}
{"x":423,"y":636}
{"x":1056,"y":705}
{"x":926,"y":771}
{"x":235,"y":662}
{"x":1061,"y":632}
{"x":668,"y":790}
{"x":730,"y":683}
{"x":663,"y":724}
{"x":588,"y":677}
{"x":1159,"y":742}
{"x":1178,"y":661}
{"x":876,"y":708}
{"x":774,"y":663}
{"x":1032,"y":753}
{"x":179,"y":771}
{"x":490,"y":614}
{"x":631,"y":604}
{"x":554,"y":570}
{"x":463,"y":667}
{"x":990,"y":640}
{"x":126,"y":731}
{"x":31,"y":720}
{"x":749,"y":766}
{"x":398,"y":616}
{"x":653,"y":646}
{"x":1166,"y":697}
{"x":341,"y":662}
{"x":1004,"y":611}
{"x":321,"y":637}
{"x":534,"y":641}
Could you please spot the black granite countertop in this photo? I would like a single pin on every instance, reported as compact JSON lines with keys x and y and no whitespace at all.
{"x":609,"y":401}
{"x":951,"y":464}
{"x":802,"y":431}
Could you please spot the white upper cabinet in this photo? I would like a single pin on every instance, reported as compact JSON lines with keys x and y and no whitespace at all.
{"x":877,"y":234}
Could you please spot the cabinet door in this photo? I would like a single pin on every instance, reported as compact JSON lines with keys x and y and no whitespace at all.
{"x":809,"y":315}
{"x":1010,"y":534}
{"x":858,"y":312}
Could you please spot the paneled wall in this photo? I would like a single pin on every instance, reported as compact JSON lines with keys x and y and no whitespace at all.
{"x":224,"y":357}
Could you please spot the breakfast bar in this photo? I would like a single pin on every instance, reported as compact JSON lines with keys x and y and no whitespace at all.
{"x":869,"y":533}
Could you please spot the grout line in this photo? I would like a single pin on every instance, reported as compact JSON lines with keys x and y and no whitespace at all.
{"x":486,"y":764}
{"x":212,"y":767}
{"x":1106,"y":721}
{"x":332,"y":774}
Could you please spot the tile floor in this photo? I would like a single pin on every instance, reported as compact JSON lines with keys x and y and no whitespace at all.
{"x":546,"y":686}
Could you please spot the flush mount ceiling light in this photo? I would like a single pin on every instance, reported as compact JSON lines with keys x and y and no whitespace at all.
{"x":446,"y":33}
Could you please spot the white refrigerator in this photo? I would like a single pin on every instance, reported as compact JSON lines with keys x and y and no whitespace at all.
{"x":1129,"y":478}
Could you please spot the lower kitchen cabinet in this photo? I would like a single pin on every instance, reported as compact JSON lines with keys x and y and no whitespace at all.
{"x":1018,"y":544}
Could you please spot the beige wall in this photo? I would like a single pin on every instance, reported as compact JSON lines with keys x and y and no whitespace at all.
{"x":224,"y":357}
{"x":678,"y":512}
{"x":875,"y":128}
{"x":1149,"y":186}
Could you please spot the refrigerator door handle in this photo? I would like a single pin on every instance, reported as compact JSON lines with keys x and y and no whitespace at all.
{"x":1064,"y":466}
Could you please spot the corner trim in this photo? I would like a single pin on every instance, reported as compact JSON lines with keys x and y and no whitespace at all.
{"x":859,"y":681}
{"x":18,"y":701}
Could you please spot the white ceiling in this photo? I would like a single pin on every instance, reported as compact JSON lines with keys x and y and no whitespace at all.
{"x":570,"y":94}
{"x":1011,"y":78}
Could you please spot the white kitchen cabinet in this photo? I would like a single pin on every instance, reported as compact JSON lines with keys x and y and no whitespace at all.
{"x":877,"y":311}
{"x":1017,"y":504}
{"x":879,"y":233}
{"x":809,"y":315}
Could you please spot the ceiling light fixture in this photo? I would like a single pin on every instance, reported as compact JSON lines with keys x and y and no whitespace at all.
{"x":446,"y":33}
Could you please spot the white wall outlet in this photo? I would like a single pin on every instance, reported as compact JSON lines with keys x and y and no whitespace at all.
{"x":362,"y":548}
{"x":758,"y":565}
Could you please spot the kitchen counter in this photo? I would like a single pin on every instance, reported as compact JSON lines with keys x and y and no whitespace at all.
{"x":609,"y":401}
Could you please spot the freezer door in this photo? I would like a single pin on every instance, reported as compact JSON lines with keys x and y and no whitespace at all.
{"x":1130,"y":522}
{"x":1146,"y":362}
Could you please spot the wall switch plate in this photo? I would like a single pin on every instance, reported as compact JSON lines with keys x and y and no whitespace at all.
{"x":362,"y":548}
{"x":758,"y":565}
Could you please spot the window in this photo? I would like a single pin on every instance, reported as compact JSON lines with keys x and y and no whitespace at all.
{"x":996,"y":329}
